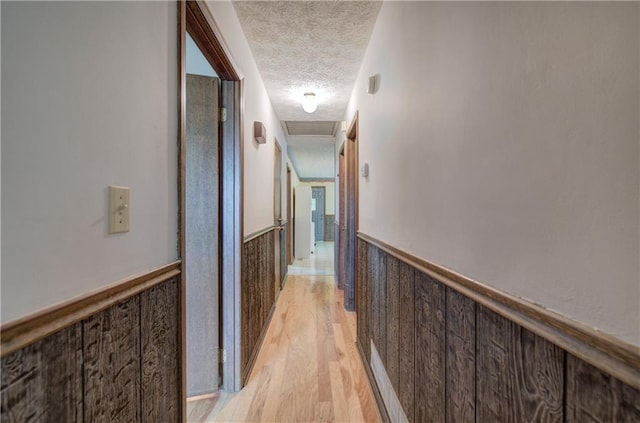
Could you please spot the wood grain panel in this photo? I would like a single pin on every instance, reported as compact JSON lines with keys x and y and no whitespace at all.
{"x":593,"y":396}
{"x":461,"y":358}
{"x":407,"y":330}
{"x":258,"y":295}
{"x":393,"y":317}
{"x":378,"y":286}
{"x":159,"y":328}
{"x":611,"y":355}
{"x":362,"y":298}
{"x":22,"y":332}
{"x":112,"y":364}
{"x":43,"y":382}
{"x":474,"y":365}
{"x":429,"y":349}
{"x":520,"y":375}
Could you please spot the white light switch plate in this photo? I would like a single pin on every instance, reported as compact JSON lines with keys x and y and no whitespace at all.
{"x":118,"y":209}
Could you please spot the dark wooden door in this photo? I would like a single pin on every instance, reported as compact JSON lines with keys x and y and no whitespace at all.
{"x":351,"y":216}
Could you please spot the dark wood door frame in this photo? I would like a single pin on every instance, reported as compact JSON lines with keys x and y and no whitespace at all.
{"x":351,"y":208}
{"x":289,"y":221}
{"x":279,"y":222}
{"x":195,"y":17}
{"x":340,"y":245}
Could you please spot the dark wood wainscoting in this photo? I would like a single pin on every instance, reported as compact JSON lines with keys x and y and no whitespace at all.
{"x":119,"y":364}
{"x":450,"y":358}
{"x":258,"y":297}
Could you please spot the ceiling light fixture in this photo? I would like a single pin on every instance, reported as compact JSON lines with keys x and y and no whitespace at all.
{"x":309,"y":102}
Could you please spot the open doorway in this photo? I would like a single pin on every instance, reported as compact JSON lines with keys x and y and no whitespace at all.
{"x":201,"y":261}
{"x":210,"y":201}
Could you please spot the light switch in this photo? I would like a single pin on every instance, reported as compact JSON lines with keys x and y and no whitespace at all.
{"x":118,"y":209}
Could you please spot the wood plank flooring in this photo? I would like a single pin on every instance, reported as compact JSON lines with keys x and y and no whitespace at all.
{"x":308,"y":368}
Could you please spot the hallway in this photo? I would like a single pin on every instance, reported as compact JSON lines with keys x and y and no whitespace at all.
{"x":308,"y":368}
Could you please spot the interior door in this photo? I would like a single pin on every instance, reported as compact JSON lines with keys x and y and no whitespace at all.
{"x":342,"y":222}
{"x":277,"y":217}
{"x":317,"y":215}
{"x":289,"y":220}
{"x":202,"y":231}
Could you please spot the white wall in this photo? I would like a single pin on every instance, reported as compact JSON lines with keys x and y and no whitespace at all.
{"x":504,"y":144}
{"x":258,"y":158}
{"x":89,"y":99}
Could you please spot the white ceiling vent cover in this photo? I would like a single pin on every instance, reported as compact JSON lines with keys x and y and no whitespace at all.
{"x":317,"y":128}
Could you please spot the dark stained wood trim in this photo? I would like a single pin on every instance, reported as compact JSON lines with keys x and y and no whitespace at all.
{"x":353,"y":133}
{"x":351,"y":208}
{"x":259,"y":233}
{"x":288,"y":214}
{"x":380,"y":407}
{"x":611,"y":355}
{"x":208,"y":37}
{"x":22,"y":332}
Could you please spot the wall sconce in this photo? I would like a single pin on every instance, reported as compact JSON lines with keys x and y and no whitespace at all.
{"x":309,"y":102}
{"x":259,"y":132}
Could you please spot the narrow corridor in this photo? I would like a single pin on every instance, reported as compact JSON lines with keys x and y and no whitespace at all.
{"x":308,"y":368}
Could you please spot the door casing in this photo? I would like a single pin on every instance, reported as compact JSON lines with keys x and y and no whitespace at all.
{"x":351,"y":210}
{"x":195,"y":17}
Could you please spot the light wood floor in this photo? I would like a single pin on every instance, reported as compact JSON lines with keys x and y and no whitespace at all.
{"x":308,"y":369}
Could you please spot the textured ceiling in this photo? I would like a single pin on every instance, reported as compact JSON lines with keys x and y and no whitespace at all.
{"x":302,"y":46}
{"x":308,"y":46}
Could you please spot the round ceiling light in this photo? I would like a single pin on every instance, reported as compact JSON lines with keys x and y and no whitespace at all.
{"x":309,"y":102}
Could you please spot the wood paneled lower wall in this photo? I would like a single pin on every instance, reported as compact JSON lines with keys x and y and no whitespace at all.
{"x":120,"y":364}
{"x":451,"y":359}
{"x":258,"y":295}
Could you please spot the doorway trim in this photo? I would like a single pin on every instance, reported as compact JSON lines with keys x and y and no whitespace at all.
{"x":352,"y":215}
{"x":289,"y":220}
{"x":195,"y":17}
{"x":280,"y":223}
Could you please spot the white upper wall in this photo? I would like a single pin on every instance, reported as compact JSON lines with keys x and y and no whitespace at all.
{"x":258,"y":158}
{"x":89,"y":100}
{"x":503,"y":143}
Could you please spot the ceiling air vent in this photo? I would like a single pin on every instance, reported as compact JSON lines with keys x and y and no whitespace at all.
{"x":318,"y":128}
